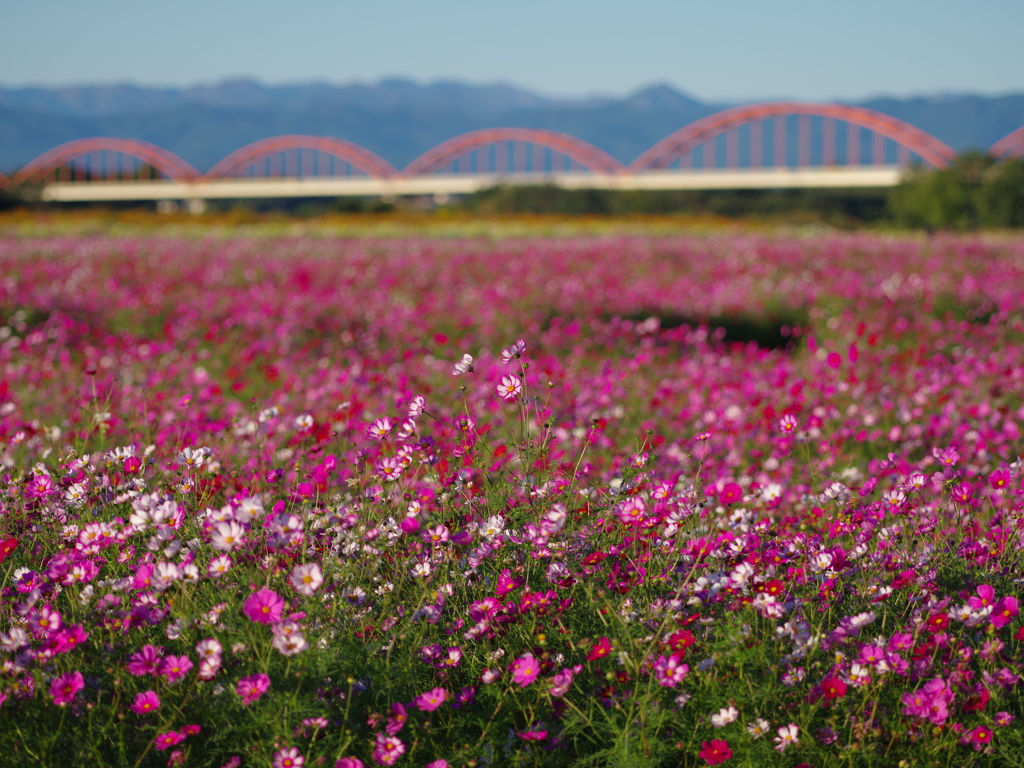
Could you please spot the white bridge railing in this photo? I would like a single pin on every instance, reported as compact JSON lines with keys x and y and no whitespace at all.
{"x":836,"y":177}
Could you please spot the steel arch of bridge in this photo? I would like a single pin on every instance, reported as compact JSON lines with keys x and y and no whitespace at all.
{"x":167,"y":163}
{"x":1012,"y":144}
{"x":4,"y":182}
{"x":688,"y":138}
{"x":587,"y":155}
{"x":358,"y":157}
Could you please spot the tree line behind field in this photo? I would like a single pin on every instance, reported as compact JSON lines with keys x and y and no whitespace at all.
{"x":975,"y":192}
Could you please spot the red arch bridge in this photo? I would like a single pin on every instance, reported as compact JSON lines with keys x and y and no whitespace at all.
{"x":760,"y":146}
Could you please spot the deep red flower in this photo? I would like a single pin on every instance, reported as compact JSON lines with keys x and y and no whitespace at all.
{"x":833,"y":688}
{"x":936,"y":622}
{"x":715,"y":751}
{"x":6,"y":547}
{"x":601,"y":649}
{"x":681,"y":640}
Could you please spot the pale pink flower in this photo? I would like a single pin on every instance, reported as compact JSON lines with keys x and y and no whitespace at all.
{"x":388,"y":749}
{"x":510,"y":387}
{"x":306,"y":579}
{"x":288,"y":757}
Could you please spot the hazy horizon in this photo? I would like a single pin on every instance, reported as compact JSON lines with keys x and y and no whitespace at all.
{"x":936,"y":95}
{"x":728,"y":52}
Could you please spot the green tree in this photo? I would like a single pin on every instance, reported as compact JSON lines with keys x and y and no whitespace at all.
{"x":1002,"y":197}
{"x":949,"y":198}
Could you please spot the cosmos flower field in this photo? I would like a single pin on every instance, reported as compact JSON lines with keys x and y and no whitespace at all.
{"x":594,"y":501}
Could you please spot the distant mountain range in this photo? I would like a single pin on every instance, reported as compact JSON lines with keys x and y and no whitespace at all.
{"x":400,"y":119}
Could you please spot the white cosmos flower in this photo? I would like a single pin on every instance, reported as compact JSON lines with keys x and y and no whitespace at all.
{"x":463,"y":366}
{"x":226,"y":536}
{"x":165,"y":574}
{"x":788,"y":734}
{"x":290,"y":644}
{"x":758,"y":728}
{"x":306,"y":579}
{"x":219,"y":566}
{"x":725,"y":716}
{"x":194,"y":457}
{"x":209,"y":649}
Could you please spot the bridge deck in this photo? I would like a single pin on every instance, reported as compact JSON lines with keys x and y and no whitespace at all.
{"x":752,"y":178}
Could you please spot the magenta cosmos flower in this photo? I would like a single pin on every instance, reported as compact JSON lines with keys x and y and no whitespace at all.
{"x":265,"y":606}
{"x":525,"y":669}
{"x":64,"y":687}
{"x":173,"y":668}
{"x":431,"y":700}
{"x":145,"y":661}
{"x":145,"y":702}
{"x":167,"y":740}
{"x":252,"y":687}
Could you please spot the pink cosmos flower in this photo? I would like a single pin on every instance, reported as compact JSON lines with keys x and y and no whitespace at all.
{"x":442,"y":763}
{"x":510,"y":387}
{"x":669,"y":671}
{"x":387,"y":749}
{"x":513,"y":351}
{"x":532,"y":735}
{"x":562,"y":681}
{"x":731,"y":493}
{"x":264,"y":606}
{"x":143,"y":577}
{"x":145,"y":702}
{"x":397,"y":720}
{"x":929,"y":702}
{"x":288,"y":757}
{"x":166,"y":740}
{"x":44,"y":621}
{"x":69,"y":638}
{"x":1006,"y":610}
{"x":431,"y":700}
{"x":39,"y":487}
{"x":173,"y":668}
{"x":380,"y":428}
{"x":986,"y":596}
{"x":252,"y":687}
{"x":349,"y":762}
{"x":525,"y":669}
{"x":64,"y":687}
{"x":464,"y":697}
{"x":145,"y":662}
{"x":507,"y":582}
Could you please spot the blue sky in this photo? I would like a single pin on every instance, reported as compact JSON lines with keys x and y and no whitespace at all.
{"x":722,"y":50}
